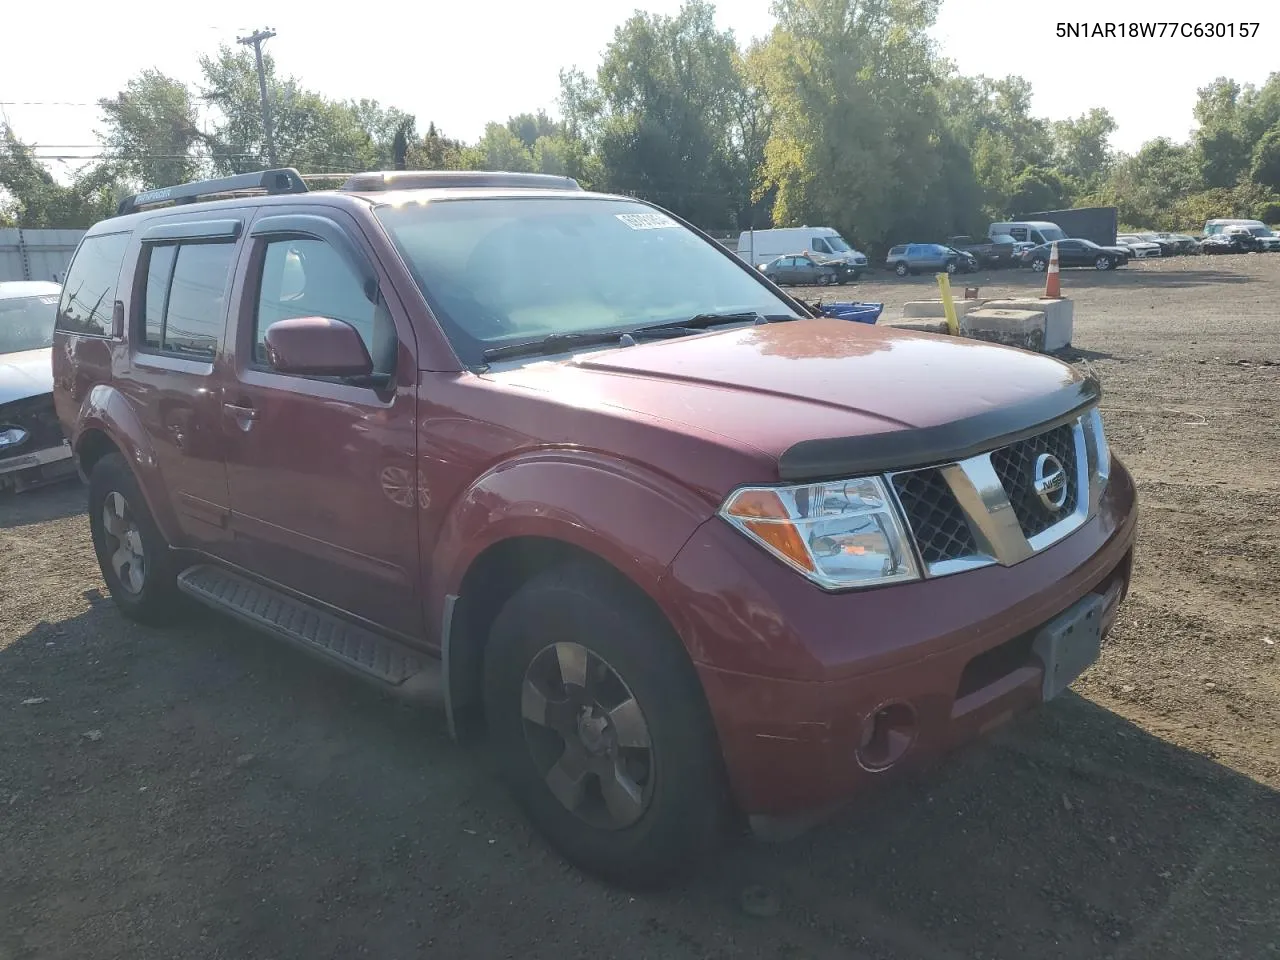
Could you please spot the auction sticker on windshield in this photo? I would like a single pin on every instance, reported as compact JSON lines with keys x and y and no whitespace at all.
{"x":646,"y":221}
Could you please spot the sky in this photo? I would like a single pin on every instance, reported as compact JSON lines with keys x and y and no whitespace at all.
{"x":462,"y":65}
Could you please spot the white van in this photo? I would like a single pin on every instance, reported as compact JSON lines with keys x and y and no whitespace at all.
{"x":758,"y":247}
{"x":1212,"y":227}
{"x":1030,"y":231}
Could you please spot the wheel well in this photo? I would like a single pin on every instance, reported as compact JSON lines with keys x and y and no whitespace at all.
{"x":489,"y":582}
{"x":93,"y":446}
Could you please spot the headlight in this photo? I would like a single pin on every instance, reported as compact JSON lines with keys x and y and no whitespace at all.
{"x":11,"y":437}
{"x":1098,"y":443}
{"x":840,"y":534}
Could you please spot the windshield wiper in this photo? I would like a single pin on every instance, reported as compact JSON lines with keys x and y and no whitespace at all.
{"x":559,"y":342}
{"x":701,"y":321}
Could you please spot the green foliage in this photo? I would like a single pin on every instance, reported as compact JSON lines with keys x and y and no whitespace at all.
{"x":1265,"y":168}
{"x":152,"y":131}
{"x":34,"y":199}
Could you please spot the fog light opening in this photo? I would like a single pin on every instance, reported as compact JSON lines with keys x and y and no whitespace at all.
{"x":887,"y":734}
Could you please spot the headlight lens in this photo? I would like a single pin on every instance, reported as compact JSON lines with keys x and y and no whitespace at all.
{"x":840,"y":534}
{"x":11,"y":437}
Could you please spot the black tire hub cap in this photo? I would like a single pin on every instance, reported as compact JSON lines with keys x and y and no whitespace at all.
{"x":587,"y":736}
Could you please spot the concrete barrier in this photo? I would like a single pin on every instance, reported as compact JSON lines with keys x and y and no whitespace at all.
{"x":1059,"y":317}
{"x":919,"y":324}
{"x":932,"y":309}
{"x":1014,"y":328}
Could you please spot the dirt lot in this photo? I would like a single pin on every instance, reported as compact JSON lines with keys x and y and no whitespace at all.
{"x":208,"y":793}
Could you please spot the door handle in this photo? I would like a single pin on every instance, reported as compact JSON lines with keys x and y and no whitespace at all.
{"x":243,"y":413}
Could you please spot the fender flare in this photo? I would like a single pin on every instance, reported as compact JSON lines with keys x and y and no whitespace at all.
{"x":627,"y":515}
{"x":106,"y":411}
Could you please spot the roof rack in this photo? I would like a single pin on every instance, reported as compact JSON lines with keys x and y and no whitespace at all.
{"x":443,"y":179}
{"x":283,"y":180}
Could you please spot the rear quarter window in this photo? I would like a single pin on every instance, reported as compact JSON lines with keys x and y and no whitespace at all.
{"x":897,"y":251}
{"x":89,"y":292}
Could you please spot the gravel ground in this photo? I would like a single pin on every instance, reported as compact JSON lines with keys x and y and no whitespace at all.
{"x":206,"y":792}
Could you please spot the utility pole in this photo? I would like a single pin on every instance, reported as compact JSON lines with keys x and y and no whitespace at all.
{"x":255,"y":40}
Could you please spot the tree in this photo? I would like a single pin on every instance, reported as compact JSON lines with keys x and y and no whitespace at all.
{"x":660,"y":114}
{"x":1081,"y":147}
{"x":1265,"y":168}
{"x":1037,"y":188}
{"x":500,"y":149}
{"x":312,"y":133}
{"x":37,"y":200}
{"x":855,"y":115}
{"x":434,"y":151}
{"x":152,"y":131}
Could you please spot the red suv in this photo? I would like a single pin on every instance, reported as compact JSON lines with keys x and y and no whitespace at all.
{"x":565,"y":464}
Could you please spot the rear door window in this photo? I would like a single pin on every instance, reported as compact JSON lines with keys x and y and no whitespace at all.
{"x":185,"y":303}
{"x":89,"y":292}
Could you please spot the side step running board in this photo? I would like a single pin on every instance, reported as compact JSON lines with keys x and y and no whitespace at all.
{"x":316,"y":630}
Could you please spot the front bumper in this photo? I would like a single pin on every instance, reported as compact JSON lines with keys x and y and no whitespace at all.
{"x":21,"y":471}
{"x":794,"y":675}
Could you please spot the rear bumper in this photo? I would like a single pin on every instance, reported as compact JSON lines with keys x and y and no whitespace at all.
{"x":795,"y":677}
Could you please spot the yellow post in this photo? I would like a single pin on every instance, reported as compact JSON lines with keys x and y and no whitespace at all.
{"x":948,"y":304}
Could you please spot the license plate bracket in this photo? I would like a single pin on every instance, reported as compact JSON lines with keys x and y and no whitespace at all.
{"x":1069,"y":643}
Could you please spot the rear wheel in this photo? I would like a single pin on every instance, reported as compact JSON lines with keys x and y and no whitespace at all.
{"x":1039,"y":264}
{"x":132,"y":553}
{"x":599,"y":727}
{"x":1102,"y":263}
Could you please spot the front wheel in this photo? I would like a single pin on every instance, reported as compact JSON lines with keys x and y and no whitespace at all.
{"x":900,"y":269}
{"x":1039,"y":264}
{"x":951,"y":267}
{"x":1102,"y":263}
{"x":599,"y":727}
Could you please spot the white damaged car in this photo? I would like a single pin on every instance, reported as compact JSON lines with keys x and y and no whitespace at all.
{"x":33,"y":450}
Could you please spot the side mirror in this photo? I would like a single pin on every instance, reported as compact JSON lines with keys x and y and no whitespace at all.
{"x":317,"y":347}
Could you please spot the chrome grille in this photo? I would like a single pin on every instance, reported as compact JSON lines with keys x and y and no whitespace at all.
{"x":1015,"y":465}
{"x":985,"y":509}
{"x":937,"y":522}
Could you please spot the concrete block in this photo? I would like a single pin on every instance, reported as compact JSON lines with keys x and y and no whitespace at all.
{"x":932,"y":309}
{"x":1015,"y":328}
{"x":1059,"y":317}
{"x":919,"y":324}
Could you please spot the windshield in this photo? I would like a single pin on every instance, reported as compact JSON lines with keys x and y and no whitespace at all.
{"x":26,"y":323}
{"x":1259,"y":231}
{"x":1052,"y":233}
{"x":838,"y":245}
{"x":510,"y":269}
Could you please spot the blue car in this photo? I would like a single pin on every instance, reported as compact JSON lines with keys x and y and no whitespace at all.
{"x":923,"y":257}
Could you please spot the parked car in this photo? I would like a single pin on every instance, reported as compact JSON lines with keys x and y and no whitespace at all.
{"x":1173,"y":243}
{"x":966,"y":262}
{"x":914,"y":257}
{"x":800,"y":269}
{"x":1139,"y":249}
{"x":1076,"y":253}
{"x":823,"y":244}
{"x":33,"y":450}
{"x":1255,"y":227}
{"x":998,"y":251}
{"x":1265,"y":240}
{"x":1224,"y":242}
{"x":550,"y":458}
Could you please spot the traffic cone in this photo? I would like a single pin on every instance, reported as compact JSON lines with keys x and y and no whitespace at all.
{"x":1052,"y":287}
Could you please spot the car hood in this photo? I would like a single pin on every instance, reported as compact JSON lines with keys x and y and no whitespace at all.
{"x":26,"y":374}
{"x":770,"y":387}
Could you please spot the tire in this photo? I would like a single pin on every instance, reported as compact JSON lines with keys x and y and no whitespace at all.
{"x":1039,"y":264}
{"x":134,"y":557}
{"x":676,"y":791}
{"x":1102,"y":263}
{"x":951,"y":266}
{"x":900,"y":269}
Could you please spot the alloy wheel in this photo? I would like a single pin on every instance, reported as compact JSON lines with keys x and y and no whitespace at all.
{"x":587,"y":736}
{"x":127,"y":556}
